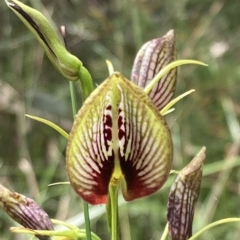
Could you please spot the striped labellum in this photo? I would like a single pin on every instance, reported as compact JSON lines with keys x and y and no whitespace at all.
{"x":118,"y":136}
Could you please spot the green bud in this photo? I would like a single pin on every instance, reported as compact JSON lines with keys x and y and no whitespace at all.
{"x":69,"y":65}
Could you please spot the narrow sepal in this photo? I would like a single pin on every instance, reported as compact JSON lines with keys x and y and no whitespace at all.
{"x":183,"y":197}
{"x":50,"y":124}
{"x":151,"y":58}
{"x":71,"y":232}
{"x":25,"y":211}
{"x":118,"y":134}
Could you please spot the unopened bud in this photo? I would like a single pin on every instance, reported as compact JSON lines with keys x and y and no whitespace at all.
{"x":151,"y":58}
{"x":183,"y":197}
{"x":25,"y":211}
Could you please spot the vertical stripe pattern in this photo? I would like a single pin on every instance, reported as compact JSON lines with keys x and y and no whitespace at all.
{"x":151,"y":58}
{"x":118,"y":135}
{"x":25,"y":211}
{"x":183,"y":197}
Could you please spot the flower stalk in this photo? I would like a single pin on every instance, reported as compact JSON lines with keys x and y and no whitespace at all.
{"x":112,"y":211}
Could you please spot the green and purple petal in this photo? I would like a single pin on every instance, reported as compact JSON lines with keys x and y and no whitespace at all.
{"x":25,"y":211}
{"x":118,"y":135}
{"x":151,"y":58}
{"x":183,"y":197}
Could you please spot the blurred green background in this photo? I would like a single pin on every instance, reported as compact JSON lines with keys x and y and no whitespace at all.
{"x":32,"y":154}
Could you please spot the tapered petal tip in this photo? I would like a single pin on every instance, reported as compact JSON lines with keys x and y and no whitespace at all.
{"x":195,"y":166}
{"x":170,"y":34}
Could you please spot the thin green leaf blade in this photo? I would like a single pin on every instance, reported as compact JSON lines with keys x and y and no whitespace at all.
{"x":118,"y":135}
{"x":50,"y":124}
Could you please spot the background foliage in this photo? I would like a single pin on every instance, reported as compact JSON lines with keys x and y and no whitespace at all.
{"x":32,"y":154}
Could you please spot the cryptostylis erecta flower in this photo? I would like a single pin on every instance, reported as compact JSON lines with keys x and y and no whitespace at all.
{"x":119,"y":136}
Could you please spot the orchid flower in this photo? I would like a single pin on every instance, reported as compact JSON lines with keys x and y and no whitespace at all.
{"x":119,"y":136}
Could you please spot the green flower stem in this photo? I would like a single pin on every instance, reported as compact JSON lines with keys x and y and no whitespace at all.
{"x":113,"y":192}
{"x":73,"y":98}
{"x":85,"y":205}
{"x":214,"y":224}
{"x":87,"y":220}
{"x":165,"y":233}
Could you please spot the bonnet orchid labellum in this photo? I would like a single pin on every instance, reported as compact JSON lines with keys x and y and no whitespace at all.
{"x":118,"y":135}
